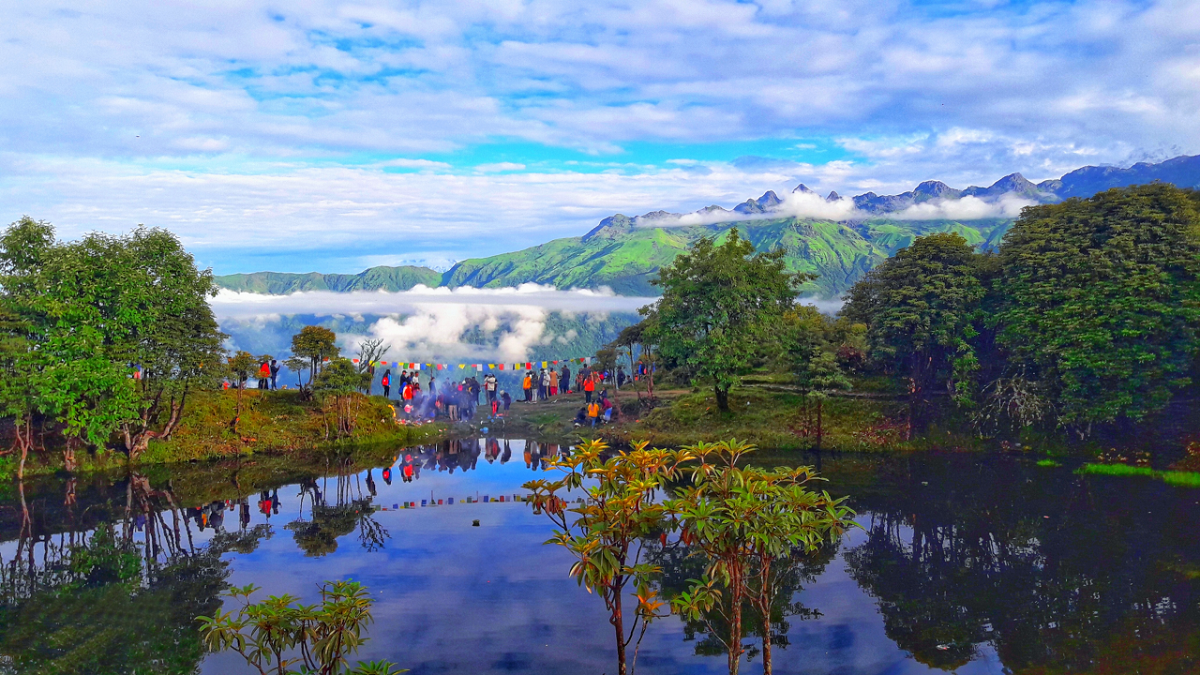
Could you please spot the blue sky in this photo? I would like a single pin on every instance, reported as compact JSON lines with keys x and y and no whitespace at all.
{"x":310,"y":135}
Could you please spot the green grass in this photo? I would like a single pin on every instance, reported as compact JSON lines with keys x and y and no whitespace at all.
{"x":271,"y":423}
{"x":772,"y":419}
{"x":1190,"y":479}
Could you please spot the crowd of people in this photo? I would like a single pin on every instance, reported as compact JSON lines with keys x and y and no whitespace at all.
{"x":462,"y":400}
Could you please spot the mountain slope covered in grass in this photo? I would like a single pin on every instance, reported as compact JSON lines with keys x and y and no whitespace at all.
{"x":625,"y":253}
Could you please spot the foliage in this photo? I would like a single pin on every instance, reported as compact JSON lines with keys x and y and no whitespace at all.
{"x":1101,"y":301}
{"x":605,"y":532}
{"x":316,"y":344}
{"x":744,"y":521}
{"x":920,"y":307}
{"x":119,"y":330}
{"x":282,"y":632}
{"x":98,"y":607}
{"x":337,"y":387}
{"x":1189,"y":479}
{"x":717,"y":307}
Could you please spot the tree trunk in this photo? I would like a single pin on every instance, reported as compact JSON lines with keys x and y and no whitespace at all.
{"x":820,"y":406}
{"x":764,"y":607}
{"x":722,"y":398}
{"x":618,"y":622}
{"x":69,"y":455}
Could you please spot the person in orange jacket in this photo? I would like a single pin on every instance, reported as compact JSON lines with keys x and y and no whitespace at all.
{"x":527,"y":385}
{"x":589,"y":387}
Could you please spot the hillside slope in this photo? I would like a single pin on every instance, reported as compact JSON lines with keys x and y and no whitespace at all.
{"x":373,"y":279}
{"x":625,"y":253}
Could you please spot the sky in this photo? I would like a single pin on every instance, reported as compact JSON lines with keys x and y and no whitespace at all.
{"x":331,"y":136}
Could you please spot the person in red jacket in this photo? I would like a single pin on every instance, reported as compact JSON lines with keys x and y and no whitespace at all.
{"x":589,"y":387}
{"x":387,"y":383}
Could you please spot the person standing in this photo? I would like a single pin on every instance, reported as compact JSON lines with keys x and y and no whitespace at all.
{"x":264,"y":375}
{"x":507,"y":401}
{"x":553,"y":382}
{"x":490,"y":387}
{"x":565,"y":380}
{"x":274,"y":374}
{"x":543,"y":385}
{"x":589,"y":385}
{"x":527,"y":386}
{"x":387,"y":383}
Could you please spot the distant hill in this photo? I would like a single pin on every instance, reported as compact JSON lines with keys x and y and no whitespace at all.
{"x":373,"y":279}
{"x":625,"y":253}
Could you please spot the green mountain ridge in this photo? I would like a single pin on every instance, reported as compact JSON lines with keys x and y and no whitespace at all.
{"x":625,"y":253}
{"x":625,"y":257}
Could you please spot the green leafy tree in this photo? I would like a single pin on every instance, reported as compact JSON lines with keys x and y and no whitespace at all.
{"x":605,"y":533}
{"x":920,"y":308}
{"x":278,"y":633}
{"x":338,"y":386}
{"x":240,"y":365}
{"x":718,"y":307}
{"x":744,"y":521}
{"x":117,"y":327}
{"x":810,"y":353}
{"x":1100,"y":302}
{"x":316,"y":344}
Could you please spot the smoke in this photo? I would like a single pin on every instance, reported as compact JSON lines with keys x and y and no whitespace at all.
{"x":463,"y":323}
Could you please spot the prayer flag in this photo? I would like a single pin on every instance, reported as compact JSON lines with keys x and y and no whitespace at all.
{"x":501,"y":366}
{"x":462,"y":366}
{"x":354,"y":360}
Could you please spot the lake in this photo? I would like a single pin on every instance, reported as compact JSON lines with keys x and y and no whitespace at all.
{"x":965,"y":563}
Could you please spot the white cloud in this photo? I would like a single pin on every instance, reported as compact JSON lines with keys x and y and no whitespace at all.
{"x":427,"y":322}
{"x":499,"y":166}
{"x":967,"y":208}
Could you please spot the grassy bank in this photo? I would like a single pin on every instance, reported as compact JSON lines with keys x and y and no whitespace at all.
{"x":779,"y":420}
{"x":271,"y":423}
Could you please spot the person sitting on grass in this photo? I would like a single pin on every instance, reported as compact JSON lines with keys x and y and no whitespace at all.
{"x":581,"y":417}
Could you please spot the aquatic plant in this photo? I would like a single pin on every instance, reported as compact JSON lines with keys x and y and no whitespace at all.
{"x":1176,"y":478}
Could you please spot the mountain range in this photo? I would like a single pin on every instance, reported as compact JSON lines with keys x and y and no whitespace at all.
{"x":838,"y":243}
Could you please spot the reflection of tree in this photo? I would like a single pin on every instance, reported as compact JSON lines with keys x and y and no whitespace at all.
{"x":102,"y":606}
{"x":352,"y":510}
{"x":1056,"y":572}
{"x":680,"y":565}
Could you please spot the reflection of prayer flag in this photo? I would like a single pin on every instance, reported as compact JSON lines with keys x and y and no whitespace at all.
{"x":462,"y":366}
{"x":491,"y":366}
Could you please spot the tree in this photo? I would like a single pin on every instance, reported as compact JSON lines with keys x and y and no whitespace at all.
{"x":605,"y":533}
{"x":279,"y":630}
{"x":240,"y":366}
{"x":316,"y":344}
{"x":117,"y":328}
{"x":744,"y":520}
{"x":1100,"y":301}
{"x":370,"y":351}
{"x":920,"y":308}
{"x":338,"y":386}
{"x":718,"y":306}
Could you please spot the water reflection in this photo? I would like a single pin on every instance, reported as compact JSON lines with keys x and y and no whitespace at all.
{"x":965,"y":564}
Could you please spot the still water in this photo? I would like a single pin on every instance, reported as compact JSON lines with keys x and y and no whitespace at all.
{"x":964,"y":563}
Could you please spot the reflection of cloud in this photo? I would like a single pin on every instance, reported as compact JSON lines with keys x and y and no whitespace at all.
{"x":435,"y":321}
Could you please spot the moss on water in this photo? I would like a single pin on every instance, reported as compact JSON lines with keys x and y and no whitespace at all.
{"x":1190,"y":479}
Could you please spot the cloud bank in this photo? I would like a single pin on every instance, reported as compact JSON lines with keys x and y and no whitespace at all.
{"x":464,"y":323}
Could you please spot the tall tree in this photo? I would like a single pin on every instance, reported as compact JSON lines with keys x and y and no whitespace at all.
{"x":718,"y":305}
{"x":314,"y":343}
{"x":1101,"y":301}
{"x":920,"y":308}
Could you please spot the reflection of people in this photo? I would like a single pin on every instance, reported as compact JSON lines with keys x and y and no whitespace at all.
{"x":387,"y":476}
{"x":370,"y":483}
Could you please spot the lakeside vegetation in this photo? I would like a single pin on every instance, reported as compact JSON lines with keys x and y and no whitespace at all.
{"x":1081,"y":327}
